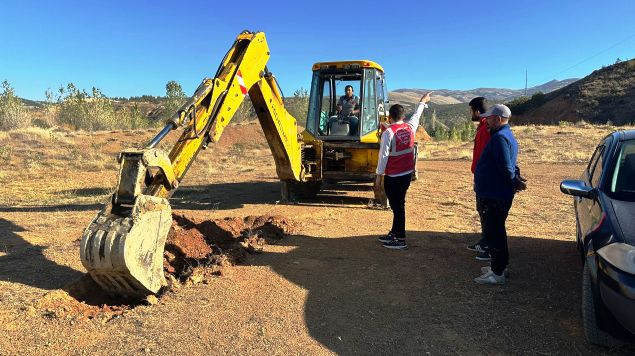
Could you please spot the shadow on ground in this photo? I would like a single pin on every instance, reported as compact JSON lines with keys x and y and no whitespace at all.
{"x":222,"y":196}
{"x":365,"y":299}
{"x":26,"y":264}
{"x":225,"y":196}
{"x":49,"y":208}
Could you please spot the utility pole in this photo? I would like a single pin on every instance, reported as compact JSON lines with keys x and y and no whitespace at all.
{"x":525,"y":82}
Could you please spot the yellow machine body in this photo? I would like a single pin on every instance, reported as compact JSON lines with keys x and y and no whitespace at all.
{"x":123,"y":246}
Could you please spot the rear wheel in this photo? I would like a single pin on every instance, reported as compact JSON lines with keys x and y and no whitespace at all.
{"x":593,"y":333}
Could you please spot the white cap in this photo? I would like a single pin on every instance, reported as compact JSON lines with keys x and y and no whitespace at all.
{"x":498,"y":110}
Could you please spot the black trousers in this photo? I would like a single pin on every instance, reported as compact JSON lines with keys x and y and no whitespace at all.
{"x":396,"y":188}
{"x":494,"y":214}
{"x":479,"y":209}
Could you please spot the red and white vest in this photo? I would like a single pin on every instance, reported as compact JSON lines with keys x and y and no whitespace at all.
{"x":401,"y":158}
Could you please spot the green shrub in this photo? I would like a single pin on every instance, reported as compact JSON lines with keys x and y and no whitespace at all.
{"x":134,"y":119}
{"x":440,"y":133}
{"x":175,"y":98}
{"x":245,"y":111}
{"x":298,"y":105}
{"x":93,"y":112}
{"x":13,"y":114}
{"x":81,"y":110}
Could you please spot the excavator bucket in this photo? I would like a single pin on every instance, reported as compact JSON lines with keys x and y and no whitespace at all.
{"x":123,"y":250}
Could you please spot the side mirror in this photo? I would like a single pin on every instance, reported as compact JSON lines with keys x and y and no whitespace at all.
{"x":577,"y":188}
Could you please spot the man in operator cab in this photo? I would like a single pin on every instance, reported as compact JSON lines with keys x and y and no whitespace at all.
{"x":348,"y":105}
{"x":348,"y":108}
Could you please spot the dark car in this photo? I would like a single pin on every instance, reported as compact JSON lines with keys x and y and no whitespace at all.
{"x":604,"y":202}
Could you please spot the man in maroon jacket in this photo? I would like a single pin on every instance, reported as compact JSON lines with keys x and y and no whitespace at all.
{"x":478,"y":106}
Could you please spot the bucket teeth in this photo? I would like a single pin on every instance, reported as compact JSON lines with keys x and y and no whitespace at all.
{"x":123,"y":253}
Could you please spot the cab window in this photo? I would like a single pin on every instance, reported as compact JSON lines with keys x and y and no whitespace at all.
{"x":369,"y":108}
{"x":326,"y":106}
{"x":320,"y":105}
{"x":381,"y":95}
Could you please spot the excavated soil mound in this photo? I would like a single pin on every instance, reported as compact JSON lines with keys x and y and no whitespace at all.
{"x":422,"y":135}
{"x":195,"y":251}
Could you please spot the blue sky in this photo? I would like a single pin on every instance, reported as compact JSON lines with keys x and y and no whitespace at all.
{"x":129,"y":48}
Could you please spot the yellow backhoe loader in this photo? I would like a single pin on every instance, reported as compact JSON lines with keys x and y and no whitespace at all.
{"x":122,"y":248}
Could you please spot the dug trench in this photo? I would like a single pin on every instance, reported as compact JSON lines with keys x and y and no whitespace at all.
{"x":195,"y":252}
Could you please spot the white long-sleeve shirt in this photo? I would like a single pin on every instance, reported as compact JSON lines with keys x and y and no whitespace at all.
{"x":387,"y":140}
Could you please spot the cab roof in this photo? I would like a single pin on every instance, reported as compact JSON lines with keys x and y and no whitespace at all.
{"x":362,"y":63}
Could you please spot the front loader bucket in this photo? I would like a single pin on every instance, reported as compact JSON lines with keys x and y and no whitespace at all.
{"x":123,"y":250}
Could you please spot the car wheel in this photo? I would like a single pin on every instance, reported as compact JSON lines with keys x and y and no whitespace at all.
{"x":592,"y":332}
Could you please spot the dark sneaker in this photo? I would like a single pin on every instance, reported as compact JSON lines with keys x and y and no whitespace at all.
{"x":484,"y":256}
{"x":385,"y":239}
{"x":477,"y":247}
{"x":396,"y":244}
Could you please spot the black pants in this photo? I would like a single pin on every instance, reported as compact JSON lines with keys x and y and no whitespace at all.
{"x":396,"y":188}
{"x":482,"y":242}
{"x":494,"y":214}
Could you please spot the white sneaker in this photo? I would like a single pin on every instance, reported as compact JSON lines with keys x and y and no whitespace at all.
{"x":489,"y":268}
{"x":490,"y":278}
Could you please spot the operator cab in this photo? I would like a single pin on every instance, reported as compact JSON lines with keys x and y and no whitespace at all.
{"x":347,"y":101}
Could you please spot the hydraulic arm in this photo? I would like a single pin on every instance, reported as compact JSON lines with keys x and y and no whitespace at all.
{"x":122,"y":248}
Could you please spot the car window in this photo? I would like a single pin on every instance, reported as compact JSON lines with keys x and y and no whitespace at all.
{"x":592,"y":162}
{"x":597,"y":171}
{"x":623,"y":179}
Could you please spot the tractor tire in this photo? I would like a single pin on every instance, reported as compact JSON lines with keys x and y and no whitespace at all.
{"x":592,"y":332}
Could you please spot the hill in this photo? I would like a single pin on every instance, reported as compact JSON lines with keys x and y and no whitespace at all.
{"x":493,"y":94}
{"x":448,"y":107}
{"x":606,"y":95}
{"x":32,"y":104}
{"x":409,"y":97}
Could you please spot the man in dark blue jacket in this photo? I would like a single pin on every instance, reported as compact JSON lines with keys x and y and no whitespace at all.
{"x":496,"y":180}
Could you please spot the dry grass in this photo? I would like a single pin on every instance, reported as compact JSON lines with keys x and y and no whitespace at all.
{"x":567,"y":143}
{"x":331,"y":288}
{"x":61,"y":164}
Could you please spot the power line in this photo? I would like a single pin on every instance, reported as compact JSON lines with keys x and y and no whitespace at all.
{"x":586,"y":59}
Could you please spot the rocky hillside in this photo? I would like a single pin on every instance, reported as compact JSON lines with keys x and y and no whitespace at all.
{"x":447,"y":96}
{"x":606,"y":95}
{"x":409,"y":97}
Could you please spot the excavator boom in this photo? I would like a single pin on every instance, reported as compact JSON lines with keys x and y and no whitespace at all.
{"x":122,"y":248}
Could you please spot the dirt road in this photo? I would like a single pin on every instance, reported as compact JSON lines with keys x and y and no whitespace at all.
{"x":329,"y":288}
